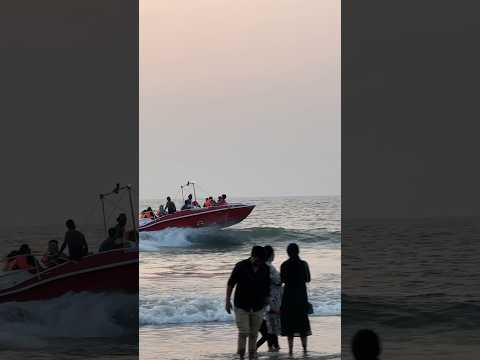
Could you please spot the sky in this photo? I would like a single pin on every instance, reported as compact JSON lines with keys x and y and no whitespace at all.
{"x":242,"y":97}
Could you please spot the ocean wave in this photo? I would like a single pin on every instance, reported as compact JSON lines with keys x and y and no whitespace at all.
{"x":82,"y":315}
{"x":203,"y":309}
{"x":185,"y":237}
{"x":429,"y":310}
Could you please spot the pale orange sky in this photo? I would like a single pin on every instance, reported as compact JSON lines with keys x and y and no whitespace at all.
{"x":234,"y":94}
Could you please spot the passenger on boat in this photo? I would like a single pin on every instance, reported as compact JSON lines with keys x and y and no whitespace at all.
{"x":148,"y":214}
{"x":213,"y":202}
{"x":188,"y":202}
{"x":22,"y":259}
{"x":53,"y":256}
{"x":187,"y":205}
{"x":224,"y":199}
{"x":109,"y":242}
{"x":75,"y":240}
{"x":193,"y":203}
{"x":120,"y":227}
{"x":219,"y":200}
{"x":207,"y":203}
{"x":161,"y":211}
{"x":10,"y":261}
{"x":170,"y":206}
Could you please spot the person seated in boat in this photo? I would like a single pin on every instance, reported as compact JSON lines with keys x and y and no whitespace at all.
{"x":10,"y":262}
{"x":161,"y":211}
{"x":75,"y":241}
{"x":148,"y":214}
{"x":187,"y":205}
{"x":23,"y":260}
{"x":193,"y":203}
{"x":109,"y":243}
{"x":206,"y":202}
{"x":189,"y":200}
{"x":53,"y":256}
{"x":170,"y":206}
{"x":224,"y":199}
{"x":120,"y":227}
{"x":212,"y":201}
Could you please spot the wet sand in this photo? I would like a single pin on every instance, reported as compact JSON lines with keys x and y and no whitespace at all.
{"x":218,"y":341}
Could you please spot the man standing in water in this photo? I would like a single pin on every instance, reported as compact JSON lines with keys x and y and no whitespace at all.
{"x":75,"y":240}
{"x":251,"y":277}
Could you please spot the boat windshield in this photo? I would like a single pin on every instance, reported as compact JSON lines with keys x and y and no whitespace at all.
{"x":13,"y":277}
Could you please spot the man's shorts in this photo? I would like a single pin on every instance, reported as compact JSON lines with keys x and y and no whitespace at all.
{"x":248,"y":322}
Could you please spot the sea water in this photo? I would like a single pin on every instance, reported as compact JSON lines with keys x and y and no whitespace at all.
{"x":183,"y":276}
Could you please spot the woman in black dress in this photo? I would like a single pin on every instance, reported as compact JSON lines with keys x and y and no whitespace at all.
{"x":295,"y":274}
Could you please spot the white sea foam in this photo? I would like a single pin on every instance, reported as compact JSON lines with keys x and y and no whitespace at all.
{"x":202,"y":309}
{"x":171,"y":310}
{"x":174,"y":237}
{"x":80,"y":315}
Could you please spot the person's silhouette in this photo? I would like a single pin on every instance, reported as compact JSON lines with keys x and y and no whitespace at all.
{"x":366,"y":345}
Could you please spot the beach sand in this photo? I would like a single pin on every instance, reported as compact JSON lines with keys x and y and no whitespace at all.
{"x":218,"y":341}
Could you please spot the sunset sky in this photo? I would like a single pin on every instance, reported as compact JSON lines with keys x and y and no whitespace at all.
{"x":241,"y":96}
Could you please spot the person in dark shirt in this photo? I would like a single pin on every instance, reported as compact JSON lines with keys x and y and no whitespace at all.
{"x":295,"y":274}
{"x":188,"y":201}
{"x":53,"y":256}
{"x":119,"y":236}
{"x":251,"y":277}
{"x":170,"y":206}
{"x":109,"y":243}
{"x":75,"y":240}
{"x":186,"y":206}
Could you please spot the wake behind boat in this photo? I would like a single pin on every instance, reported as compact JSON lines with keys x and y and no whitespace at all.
{"x":213,"y":214}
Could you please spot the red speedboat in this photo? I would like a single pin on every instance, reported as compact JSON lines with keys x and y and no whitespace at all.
{"x":218,"y":216}
{"x":109,"y":271}
{"x":114,"y":271}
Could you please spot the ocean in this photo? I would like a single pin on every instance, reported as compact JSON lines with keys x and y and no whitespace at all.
{"x":183,"y":275}
{"x":415,"y":282}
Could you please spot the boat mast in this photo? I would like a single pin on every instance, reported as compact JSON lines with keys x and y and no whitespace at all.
{"x":102,"y":199}
{"x":194,"y":192}
{"x":116,"y":190}
{"x":132,"y":211}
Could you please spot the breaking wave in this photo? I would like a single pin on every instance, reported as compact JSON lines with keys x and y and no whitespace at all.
{"x":205,"y":309}
{"x":183,"y":237}
{"x":82,"y":315}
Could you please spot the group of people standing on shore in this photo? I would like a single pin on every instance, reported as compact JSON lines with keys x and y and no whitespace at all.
{"x":262,"y":304}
